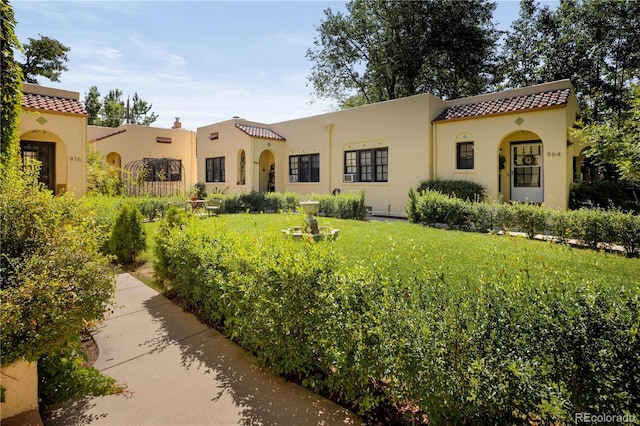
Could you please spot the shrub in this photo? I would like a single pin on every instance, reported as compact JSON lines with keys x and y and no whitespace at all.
{"x":531,"y":218}
{"x":127,"y":237}
{"x":53,"y":278}
{"x":497,"y":347}
{"x":463,"y":189}
{"x":64,"y":374}
{"x":594,"y":227}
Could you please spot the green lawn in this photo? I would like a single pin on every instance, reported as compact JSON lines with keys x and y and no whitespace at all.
{"x":457,"y":255}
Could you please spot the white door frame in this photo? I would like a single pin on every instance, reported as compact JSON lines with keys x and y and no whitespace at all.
{"x":527,"y":171}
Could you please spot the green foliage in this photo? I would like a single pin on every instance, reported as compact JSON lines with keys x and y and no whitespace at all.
{"x":617,"y":142}
{"x":174,"y":219}
{"x":44,"y":57}
{"x":112,"y":111}
{"x":343,"y":206}
{"x":64,"y":374}
{"x":198,"y":190}
{"x":102,"y":178}
{"x":53,"y":279}
{"x":383,"y":50}
{"x":10,"y":89}
{"x":464,"y":328}
{"x":605,"y":194}
{"x":127,"y":236}
{"x":463,"y":189}
{"x":596,"y":228}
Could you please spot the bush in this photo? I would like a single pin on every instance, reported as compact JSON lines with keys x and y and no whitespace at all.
{"x":605,"y":194}
{"x":463,"y":189}
{"x":64,"y":374}
{"x":53,"y":280}
{"x":127,"y":237}
{"x":497,"y":348}
{"x":594,"y":227}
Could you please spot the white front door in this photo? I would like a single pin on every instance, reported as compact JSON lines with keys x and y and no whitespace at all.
{"x":526,"y":172}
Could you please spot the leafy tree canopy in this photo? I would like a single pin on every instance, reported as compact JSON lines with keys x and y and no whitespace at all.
{"x":617,"y":144}
{"x":113,"y":112}
{"x":45,"y":57}
{"x":594,"y":43}
{"x":384,"y":49}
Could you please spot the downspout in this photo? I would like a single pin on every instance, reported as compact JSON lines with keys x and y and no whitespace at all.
{"x":433,"y":170}
{"x":329,"y":128}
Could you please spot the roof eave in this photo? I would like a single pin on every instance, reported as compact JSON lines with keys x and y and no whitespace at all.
{"x":497,"y":114}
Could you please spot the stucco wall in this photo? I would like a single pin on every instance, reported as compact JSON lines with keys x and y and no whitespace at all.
{"x":20,"y":381}
{"x":135,"y":142}
{"x":69,"y":133}
{"x":489,"y":134}
{"x":403,"y":126}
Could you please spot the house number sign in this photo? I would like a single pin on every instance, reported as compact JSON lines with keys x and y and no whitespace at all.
{"x":75,"y":158}
{"x":553,"y":154}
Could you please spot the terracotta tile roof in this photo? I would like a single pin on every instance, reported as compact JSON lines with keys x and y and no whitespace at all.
{"x":501,"y":106}
{"x":259,"y":132}
{"x":52,"y":103}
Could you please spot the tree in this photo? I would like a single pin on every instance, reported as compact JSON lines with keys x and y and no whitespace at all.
{"x":386,"y":49}
{"x":93,"y":106}
{"x":44,"y":57}
{"x":113,"y":109}
{"x":10,"y":87}
{"x":594,"y":43}
{"x":521,"y":49}
{"x":140,"y":112}
{"x":112,"y":112}
{"x":617,"y":143}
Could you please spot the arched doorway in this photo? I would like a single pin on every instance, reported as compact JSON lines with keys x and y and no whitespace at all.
{"x":267,"y":167}
{"x":50,"y":151}
{"x":522,"y":178}
{"x":114,"y":160}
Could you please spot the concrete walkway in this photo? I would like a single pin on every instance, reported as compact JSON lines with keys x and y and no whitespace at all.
{"x":180,"y":372}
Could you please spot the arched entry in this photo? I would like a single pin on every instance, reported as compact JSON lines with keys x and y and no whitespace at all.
{"x":267,"y":167}
{"x":114,"y":160}
{"x":523,"y":173}
{"x":48,"y":149}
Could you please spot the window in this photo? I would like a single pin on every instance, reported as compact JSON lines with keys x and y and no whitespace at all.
{"x":304,"y":168}
{"x":214,"y":169}
{"x":464,"y":155}
{"x":367,"y":165}
{"x":162,"y":169}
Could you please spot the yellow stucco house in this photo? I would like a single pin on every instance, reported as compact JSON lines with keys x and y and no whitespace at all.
{"x":53,"y":130}
{"x":516,"y":143}
{"x":156,"y":161}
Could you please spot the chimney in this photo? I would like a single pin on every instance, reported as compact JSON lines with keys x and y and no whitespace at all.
{"x":177,"y":124}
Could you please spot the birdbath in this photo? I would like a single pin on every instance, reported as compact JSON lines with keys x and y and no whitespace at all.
{"x":310,"y":208}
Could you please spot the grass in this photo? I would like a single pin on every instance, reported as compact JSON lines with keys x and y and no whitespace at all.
{"x":453,"y":254}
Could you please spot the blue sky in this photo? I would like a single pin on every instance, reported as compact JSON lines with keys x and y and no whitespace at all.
{"x":202,"y":61}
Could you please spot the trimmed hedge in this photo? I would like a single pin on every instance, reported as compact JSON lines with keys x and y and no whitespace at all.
{"x":497,"y":348}
{"x":592,"y":227}
{"x":342,"y":206}
{"x":463,"y":189}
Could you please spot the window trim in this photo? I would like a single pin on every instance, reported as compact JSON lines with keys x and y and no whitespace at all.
{"x":358,"y":163}
{"x":213,"y":165}
{"x":298,"y":173}
{"x":467,"y":162}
